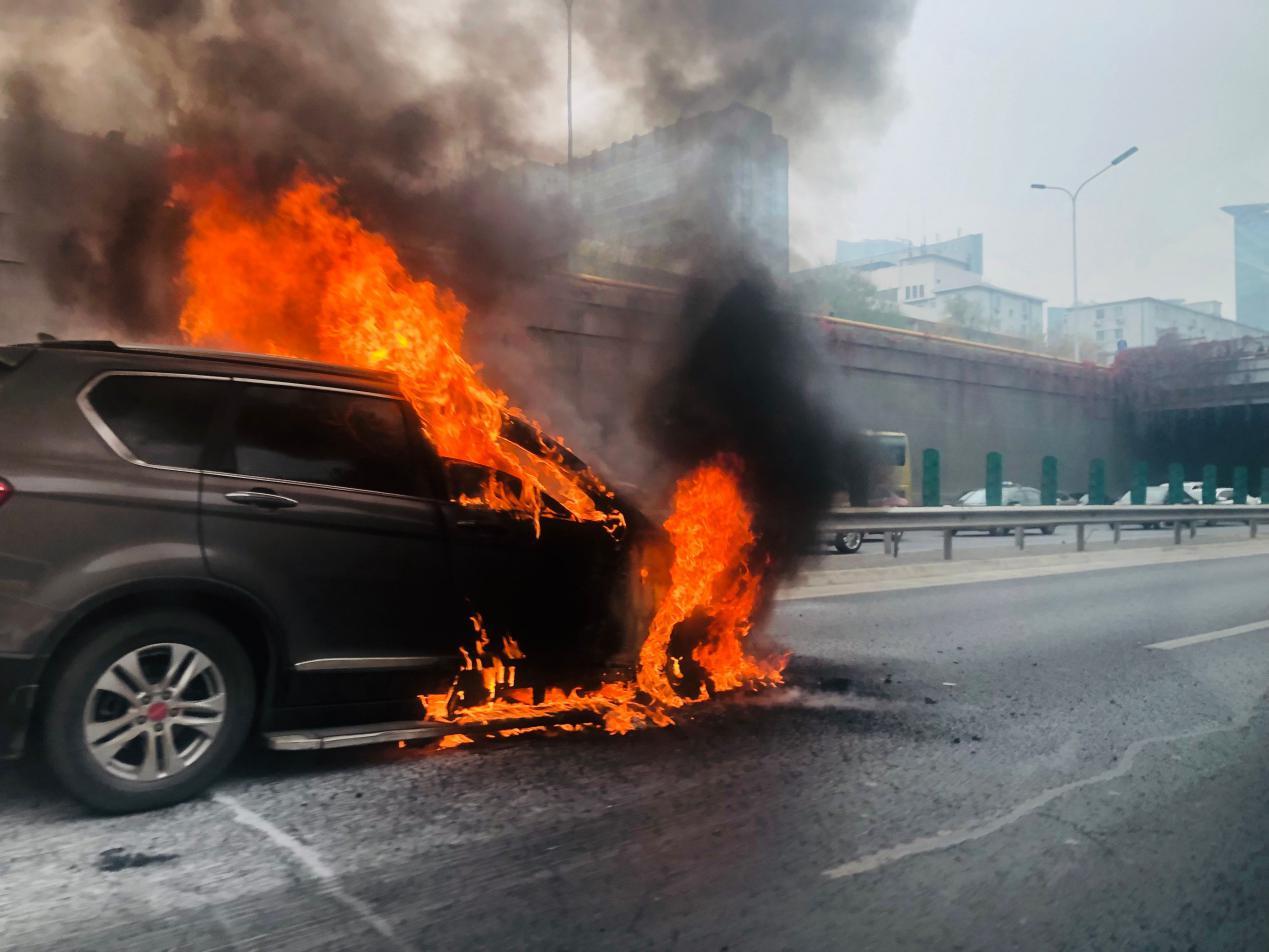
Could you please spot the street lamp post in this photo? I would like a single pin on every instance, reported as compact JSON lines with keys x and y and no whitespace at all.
{"x":568,"y":7}
{"x":1075,"y":278}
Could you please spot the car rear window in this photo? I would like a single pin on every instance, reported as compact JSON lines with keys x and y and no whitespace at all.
{"x":355,"y":441}
{"x":159,"y":420}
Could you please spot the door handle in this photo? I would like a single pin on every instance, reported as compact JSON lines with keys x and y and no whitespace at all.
{"x":262,"y":499}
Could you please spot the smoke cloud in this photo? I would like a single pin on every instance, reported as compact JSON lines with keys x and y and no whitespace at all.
{"x":409,"y":107}
{"x":747,"y":381}
{"x":797,"y":58}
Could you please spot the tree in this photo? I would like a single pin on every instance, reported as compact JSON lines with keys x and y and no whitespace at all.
{"x":965,"y":313}
{"x":841,"y":292}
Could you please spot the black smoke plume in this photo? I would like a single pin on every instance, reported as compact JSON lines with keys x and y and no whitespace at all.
{"x":344,"y":88}
{"x":748,"y":381}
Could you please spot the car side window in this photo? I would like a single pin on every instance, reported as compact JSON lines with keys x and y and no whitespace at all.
{"x":163,"y":421}
{"x":469,"y":483}
{"x":354,"y":441}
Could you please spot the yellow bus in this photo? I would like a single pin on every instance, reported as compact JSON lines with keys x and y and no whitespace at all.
{"x":891,"y":466}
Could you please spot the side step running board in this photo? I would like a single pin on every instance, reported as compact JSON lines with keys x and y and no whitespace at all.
{"x":360,"y":735}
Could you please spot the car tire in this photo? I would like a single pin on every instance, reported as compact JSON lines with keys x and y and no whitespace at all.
{"x":848,"y":543}
{"x":149,"y":710}
{"x":1048,"y":530}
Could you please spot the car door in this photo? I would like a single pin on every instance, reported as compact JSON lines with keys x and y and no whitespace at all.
{"x":317,"y":501}
{"x":545,"y":584}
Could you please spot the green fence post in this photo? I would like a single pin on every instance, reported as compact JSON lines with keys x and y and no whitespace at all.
{"x":1240,"y":485}
{"x":1176,"y":476}
{"x":1097,"y":482}
{"x":930,"y":495}
{"x":1140,"y":476}
{"x":995,"y":467}
{"x":1048,"y":481}
{"x":1209,"y":485}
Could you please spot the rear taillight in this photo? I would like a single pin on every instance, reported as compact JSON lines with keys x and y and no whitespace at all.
{"x":5,"y":492}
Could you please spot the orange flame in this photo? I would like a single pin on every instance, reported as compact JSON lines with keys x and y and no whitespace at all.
{"x":712,"y":533}
{"x":302,"y":278}
{"x":299,"y":276}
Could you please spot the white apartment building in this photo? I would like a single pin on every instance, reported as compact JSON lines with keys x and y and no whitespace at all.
{"x":945,"y":290}
{"x":1143,"y":322}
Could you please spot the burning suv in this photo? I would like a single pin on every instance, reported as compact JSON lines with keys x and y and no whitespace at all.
{"x":195,"y":546}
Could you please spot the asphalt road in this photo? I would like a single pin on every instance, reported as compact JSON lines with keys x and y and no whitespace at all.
{"x":1000,"y":765}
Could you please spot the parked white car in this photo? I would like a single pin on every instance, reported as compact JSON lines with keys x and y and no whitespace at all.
{"x":1158,"y":496}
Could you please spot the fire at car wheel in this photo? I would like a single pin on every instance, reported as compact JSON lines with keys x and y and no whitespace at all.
{"x":148,"y":711}
{"x":848,"y":542}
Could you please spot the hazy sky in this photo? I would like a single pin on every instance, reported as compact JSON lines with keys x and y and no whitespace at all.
{"x":998,"y":94}
{"x":985,"y":97}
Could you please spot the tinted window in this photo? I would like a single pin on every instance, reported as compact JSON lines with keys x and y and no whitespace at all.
{"x":161,"y":420}
{"x":319,"y":436}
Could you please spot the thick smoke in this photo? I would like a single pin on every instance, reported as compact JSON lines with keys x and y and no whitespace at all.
{"x":263,"y":87}
{"x":747,"y":381}
{"x":795,"y":58}
{"x":345,"y":88}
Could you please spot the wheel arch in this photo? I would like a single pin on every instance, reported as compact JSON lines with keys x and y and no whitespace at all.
{"x":244,"y":616}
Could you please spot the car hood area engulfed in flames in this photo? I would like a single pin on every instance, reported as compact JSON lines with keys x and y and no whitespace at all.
{"x":297,"y":275}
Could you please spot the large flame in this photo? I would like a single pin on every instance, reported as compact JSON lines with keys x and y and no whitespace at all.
{"x":302,"y":278}
{"x":712,"y":533}
{"x":299,"y":276}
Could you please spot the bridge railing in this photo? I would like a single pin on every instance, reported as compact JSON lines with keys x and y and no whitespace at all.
{"x":892,"y":523}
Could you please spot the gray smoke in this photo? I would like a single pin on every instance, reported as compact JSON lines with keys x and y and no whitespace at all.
{"x":794,"y":58}
{"x":344,"y":87}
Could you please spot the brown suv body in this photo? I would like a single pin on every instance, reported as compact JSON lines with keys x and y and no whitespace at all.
{"x":337,"y":559}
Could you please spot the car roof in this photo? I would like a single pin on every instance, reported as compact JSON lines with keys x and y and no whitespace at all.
{"x":223,"y":357}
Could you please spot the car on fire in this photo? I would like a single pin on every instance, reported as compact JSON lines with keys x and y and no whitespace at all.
{"x":196,"y":547}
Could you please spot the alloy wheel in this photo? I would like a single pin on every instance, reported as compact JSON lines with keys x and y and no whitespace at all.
{"x":154,"y":712}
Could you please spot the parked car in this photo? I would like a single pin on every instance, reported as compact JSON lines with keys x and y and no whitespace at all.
{"x":195,"y":547}
{"x":1156,"y":496}
{"x":1011,"y":494}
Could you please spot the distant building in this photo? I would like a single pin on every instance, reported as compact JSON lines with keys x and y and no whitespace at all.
{"x":1251,"y":263}
{"x":1144,"y":322}
{"x":966,"y":252}
{"x":990,"y":308}
{"x":941,"y":282}
{"x":654,"y":199}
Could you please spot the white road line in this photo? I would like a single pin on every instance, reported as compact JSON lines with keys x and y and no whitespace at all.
{"x":1210,"y":636}
{"x":946,"y":839}
{"x":313,"y":863}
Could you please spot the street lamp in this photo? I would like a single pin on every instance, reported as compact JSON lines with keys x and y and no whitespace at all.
{"x":568,"y":8}
{"x":1075,"y":280}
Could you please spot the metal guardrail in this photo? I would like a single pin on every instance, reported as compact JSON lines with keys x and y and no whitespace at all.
{"x":892,"y":523}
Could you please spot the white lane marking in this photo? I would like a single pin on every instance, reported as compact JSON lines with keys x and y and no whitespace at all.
{"x":313,"y":863}
{"x":946,"y":839}
{"x":1210,"y":636}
